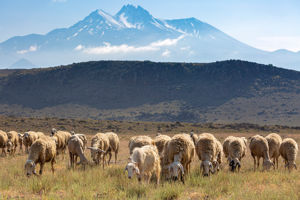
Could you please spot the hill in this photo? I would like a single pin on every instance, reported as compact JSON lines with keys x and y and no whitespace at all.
{"x":222,"y":92}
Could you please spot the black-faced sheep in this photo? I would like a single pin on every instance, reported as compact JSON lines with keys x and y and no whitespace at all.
{"x":41,"y":151}
{"x":237,"y":150}
{"x":143,"y":162}
{"x":288,"y":151}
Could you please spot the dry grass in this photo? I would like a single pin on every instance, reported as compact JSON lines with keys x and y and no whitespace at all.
{"x":112,"y":182}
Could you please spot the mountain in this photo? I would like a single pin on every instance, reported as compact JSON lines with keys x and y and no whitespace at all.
{"x":134,"y":34}
{"x":21,"y":64}
{"x":222,"y":92}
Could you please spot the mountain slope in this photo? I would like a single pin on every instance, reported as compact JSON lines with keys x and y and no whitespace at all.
{"x":229,"y":91}
{"x":134,"y":34}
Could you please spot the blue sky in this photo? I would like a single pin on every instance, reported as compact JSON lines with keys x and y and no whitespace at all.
{"x":264,"y":24}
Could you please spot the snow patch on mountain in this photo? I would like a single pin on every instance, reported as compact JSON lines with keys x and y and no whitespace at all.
{"x":30,"y":49}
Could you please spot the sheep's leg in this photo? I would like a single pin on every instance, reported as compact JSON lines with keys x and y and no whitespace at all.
{"x":110,"y":155}
{"x":103,"y":160}
{"x":41,"y":168}
{"x":277,"y":162}
{"x":258,"y":162}
{"x":52,"y":165}
{"x":116,"y":156}
{"x":71,"y":159}
{"x":254,"y":162}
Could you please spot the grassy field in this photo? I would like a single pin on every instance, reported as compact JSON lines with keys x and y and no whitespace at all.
{"x":112,"y":182}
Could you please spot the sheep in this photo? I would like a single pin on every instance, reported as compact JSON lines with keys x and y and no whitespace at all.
{"x":219,"y":155}
{"x":288,"y":151}
{"x":160,"y":141}
{"x":20,"y":138}
{"x":178,"y":152}
{"x":139,"y":141}
{"x":144,"y":161}
{"x":76,"y":149}
{"x":225,"y":147}
{"x":41,"y":151}
{"x":274,"y":141}
{"x":114,"y":144}
{"x":99,"y":146}
{"x":206,"y":149}
{"x":61,"y":139}
{"x":194,"y":137}
{"x":236,"y":151}
{"x":29,"y":138}
{"x":82,"y":137}
{"x":12,"y":142}
{"x":259,"y":148}
{"x":3,"y":141}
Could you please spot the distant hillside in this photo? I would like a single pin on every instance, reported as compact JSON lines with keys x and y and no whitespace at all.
{"x":221,"y":92}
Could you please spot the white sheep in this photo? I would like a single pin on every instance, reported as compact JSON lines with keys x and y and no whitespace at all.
{"x":139,"y":141}
{"x":206,"y":149}
{"x":114,"y":144}
{"x":236,"y":151}
{"x":29,"y":138}
{"x":274,"y":142}
{"x":219,"y":155}
{"x":143,"y":162}
{"x":259,"y":148}
{"x":3,"y":141}
{"x":61,"y":139}
{"x":160,"y":142}
{"x":41,"y":151}
{"x":225,"y":147}
{"x":289,"y":150}
{"x":20,"y":139}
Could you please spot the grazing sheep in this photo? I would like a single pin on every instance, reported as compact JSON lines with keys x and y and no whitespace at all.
{"x":61,"y":139}
{"x":76,"y":149}
{"x":288,"y":151}
{"x":29,"y":138}
{"x":180,"y":150}
{"x":206,"y":149}
{"x":21,"y":137}
{"x":82,"y":137}
{"x":139,"y":141}
{"x":12,"y":142}
{"x":226,"y":145}
{"x":41,"y":151}
{"x":160,"y":141}
{"x":259,"y":148}
{"x":144,"y":161}
{"x":99,"y":146}
{"x":3,"y":141}
{"x":219,"y":156}
{"x":236,"y":151}
{"x":274,"y":142}
{"x":114,"y":143}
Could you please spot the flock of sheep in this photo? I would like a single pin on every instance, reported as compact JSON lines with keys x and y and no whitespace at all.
{"x":165,"y":156}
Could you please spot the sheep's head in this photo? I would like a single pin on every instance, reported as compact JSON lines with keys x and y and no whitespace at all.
{"x":53,"y":131}
{"x":290,"y":166}
{"x":9,"y":146}
{"x":132,"y":169}
{"x":176,"y":170}
{"x":30,"y":168}
{"x":96,"y":154}
{"x":267,"y":164}
{"x":206,"y":167}
{"x":234,"y":163}
{"x":72,"y":132}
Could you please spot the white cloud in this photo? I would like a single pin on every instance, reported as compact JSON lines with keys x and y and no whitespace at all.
{"x":166,"y":53}
{"x":107,"y":48}
{"x":30,"y":49}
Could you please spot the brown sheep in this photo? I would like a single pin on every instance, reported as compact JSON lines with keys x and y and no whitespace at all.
{"x":139,"y":141}
{"x":61,"y":139}
{"x":259,"y":148}
{"x":20,"y":139}
{"x":76,"y":149}
{"x":114,"y":143}
{"x":160,"y":141}
{"x":12,"y":142}
{"x":41,"y":151}
{"x":99,"y":146}
{"x":206,"y":149}
{"x":179,"y":149}
{"x":3,"y":141}
{"x":289,"y":150}
{"x":274,"y":142}
{"x":29,"y":138}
